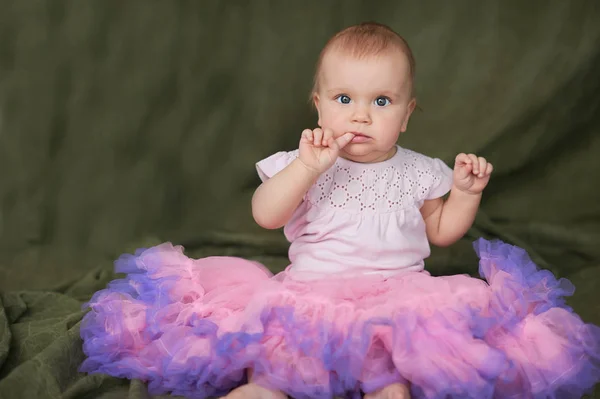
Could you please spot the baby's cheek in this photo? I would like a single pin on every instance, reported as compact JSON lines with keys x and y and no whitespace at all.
{"x":340,"y":124}
{"x":335,"y":125}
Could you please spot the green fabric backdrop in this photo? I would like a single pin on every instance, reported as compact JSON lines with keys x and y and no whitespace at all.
{"x":124,"y":124}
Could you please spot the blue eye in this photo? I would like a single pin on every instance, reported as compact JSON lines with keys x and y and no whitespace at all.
{"x":382,"y":101}
{"x":344,"y":99}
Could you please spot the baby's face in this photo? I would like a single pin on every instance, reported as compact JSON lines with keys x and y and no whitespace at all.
{"x":370,"y":97}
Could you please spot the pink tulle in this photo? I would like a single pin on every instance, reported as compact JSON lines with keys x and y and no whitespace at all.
{"x":193,"y":327}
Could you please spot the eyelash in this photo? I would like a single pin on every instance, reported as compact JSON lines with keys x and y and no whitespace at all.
{"x":338,"y":97}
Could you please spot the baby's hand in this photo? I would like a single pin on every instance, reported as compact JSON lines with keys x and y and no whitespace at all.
{"x":319,"y":150}
{"x":471,"y":173}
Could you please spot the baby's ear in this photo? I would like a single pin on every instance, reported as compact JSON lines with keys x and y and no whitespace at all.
{"x":412,"y":105}
{"x":410,"y":108}
{"x":317,"y":102}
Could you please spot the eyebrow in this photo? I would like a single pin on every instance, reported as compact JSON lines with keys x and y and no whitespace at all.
{"x":387,"y":93}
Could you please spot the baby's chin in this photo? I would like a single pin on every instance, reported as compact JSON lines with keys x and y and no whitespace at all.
{"x":364,"y":153}
{"x":358,"y":152}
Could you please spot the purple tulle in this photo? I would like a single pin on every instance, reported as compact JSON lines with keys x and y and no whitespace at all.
{"x":194,"y":327}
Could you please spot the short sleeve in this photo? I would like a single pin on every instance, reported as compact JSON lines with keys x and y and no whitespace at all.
{"x":273,"y":164}
{"x":439,"y":178}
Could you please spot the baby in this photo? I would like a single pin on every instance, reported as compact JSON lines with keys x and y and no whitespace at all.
{"x":364,"y":96}
{"x":355,"y":311}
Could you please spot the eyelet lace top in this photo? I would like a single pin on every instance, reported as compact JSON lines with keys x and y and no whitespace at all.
{"x":363,"y":218}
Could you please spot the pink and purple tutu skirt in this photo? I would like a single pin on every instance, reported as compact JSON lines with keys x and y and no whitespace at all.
{"x":193,"y":327}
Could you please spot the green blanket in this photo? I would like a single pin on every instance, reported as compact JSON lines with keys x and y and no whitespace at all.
{"x":124,"y":124}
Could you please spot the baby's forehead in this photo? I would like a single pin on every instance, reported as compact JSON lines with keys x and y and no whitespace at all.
{"x":337,"y":56}
{"x":385,"y":71}
{"x":390,"y":62}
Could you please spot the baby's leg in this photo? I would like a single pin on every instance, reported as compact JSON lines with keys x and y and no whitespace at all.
{"x":254,"y":391}
{"x":392,"y":391}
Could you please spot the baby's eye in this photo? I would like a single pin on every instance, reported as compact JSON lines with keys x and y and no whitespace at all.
{"x":382,"y":101}
{"x":344,"y":99}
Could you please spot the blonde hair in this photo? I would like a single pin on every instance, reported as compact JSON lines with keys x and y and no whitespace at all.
{"x":365,"y":40}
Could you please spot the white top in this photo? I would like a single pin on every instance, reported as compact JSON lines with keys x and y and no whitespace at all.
{"x":362,"y":218}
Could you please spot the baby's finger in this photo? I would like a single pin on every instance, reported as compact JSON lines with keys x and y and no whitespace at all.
{"x":475,"y":161}
{"x":343,"y":140}
{"x":482,"y":166}
{"x":333,"y":145}
{"x":489,"y":169}
{"x":463,"y":170}
{"x":327,"y":134}
{"x":307,"y":136}
{"x":318,"y":137}
{"x":462,"y":158}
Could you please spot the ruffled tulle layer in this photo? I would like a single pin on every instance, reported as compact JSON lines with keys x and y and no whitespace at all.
{"x":193,"y":327}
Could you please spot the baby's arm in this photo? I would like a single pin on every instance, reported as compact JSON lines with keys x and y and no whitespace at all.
{"x":275,"y":200}
{"x":448,"y":221}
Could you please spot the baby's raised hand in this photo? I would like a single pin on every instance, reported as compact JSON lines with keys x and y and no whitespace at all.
{"x":319,"y":149}
{"x":471,"y":173}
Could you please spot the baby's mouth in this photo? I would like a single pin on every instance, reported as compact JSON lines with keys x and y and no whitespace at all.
{"x":359,"y":138}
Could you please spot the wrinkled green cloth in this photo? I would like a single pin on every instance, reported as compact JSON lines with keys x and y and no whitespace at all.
{"x":121,"y":121}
